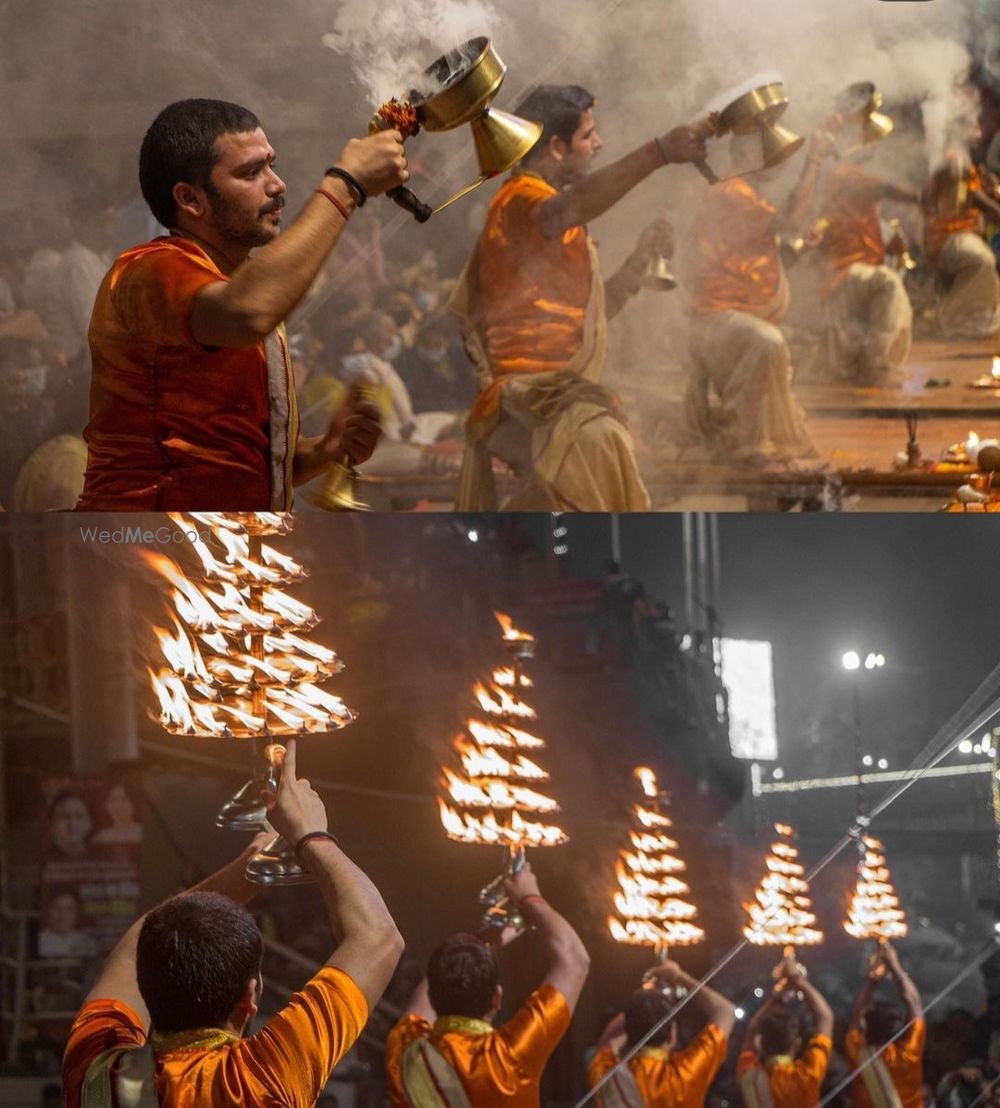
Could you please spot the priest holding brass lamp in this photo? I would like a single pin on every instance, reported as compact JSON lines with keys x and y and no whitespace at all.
{"x":534,"y":310}
{"x":739,"y":398}
{"x":869,"y":319}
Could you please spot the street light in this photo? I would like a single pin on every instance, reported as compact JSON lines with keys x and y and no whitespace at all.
{"x":851,"y":660}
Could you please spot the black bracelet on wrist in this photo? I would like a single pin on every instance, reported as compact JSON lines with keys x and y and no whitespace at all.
{"x":352,"y":183}
{"x":660,"y":150}
{"x":310,"y":836}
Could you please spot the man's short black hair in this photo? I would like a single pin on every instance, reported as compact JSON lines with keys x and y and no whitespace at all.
{"x":180,"y":146}
{"x":882,"y":1020}
{"x":645,"y":1009}
{"x":196,"y":954}
{"x":462,"y":977}
{"x":778,"y":1032}
{"x":559,"y":109}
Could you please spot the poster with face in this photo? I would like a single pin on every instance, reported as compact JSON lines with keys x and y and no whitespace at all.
{"x":91,"y":845}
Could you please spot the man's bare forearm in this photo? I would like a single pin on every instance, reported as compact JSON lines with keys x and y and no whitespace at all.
{"x":265,"y":288}
{"x":794,"y":213}
{"x":354,"y":906}
{"x":597,"y":192}
{"x":621,"y":287}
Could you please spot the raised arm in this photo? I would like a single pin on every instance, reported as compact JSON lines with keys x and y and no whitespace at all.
{"x":908,"y":992}
{"x":795,"y":212}
{"x":419,"y":1003}
{"x":569,"y":961}
{"x":822,"y":1013}
{"x":753,"y":1026}
{"x":117,"y":978}
{"x":368,"y":944}
{"x":713,"y":1006}
{"x":613,"y":1035}
{"x":264,"y":289}
{"x":602,"y":189}
{"x":864,"y":998}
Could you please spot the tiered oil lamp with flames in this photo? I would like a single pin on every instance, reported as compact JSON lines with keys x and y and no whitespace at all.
{"x":492,"y":794}
{"x":237,"y":667}
{"x":649,"y":901}
{"x":781,"y":913}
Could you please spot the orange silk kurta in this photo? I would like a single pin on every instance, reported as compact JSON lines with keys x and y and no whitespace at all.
{"x":737,"y":265}
{"x":940,"y":226}
{"x":794,"y":1083}
{"x":670,"y":1079}
{"x":286,"y":1063}
{"x":904,"y":1060}
{"x":175,"y":425}
{"x":532,"y":292}
{"x":855,"y":233}
{"x":498,"y":1069}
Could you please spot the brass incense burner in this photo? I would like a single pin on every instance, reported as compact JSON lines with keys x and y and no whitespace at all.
{"x":460,"y":88}
{"x":860,"y":103}
{"x":758,"y":112}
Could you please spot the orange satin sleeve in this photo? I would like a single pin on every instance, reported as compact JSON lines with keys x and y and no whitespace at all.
{"x":535,"y":1030}
{"x":99,"y":1026}
{"x":940,"y":226}
{"x":855,"y":233}
{"x":153,"y":292}
{"x":737,"y":265}
{"x":399,"y":1038}
{"x":696,"y":1066}
{"x":498,"y":1069}
{"x":603,"y":1061}
{"x":793,"y":1084}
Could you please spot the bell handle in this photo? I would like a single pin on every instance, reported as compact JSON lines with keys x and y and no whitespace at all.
{"x":706,"y":171}
{"x":464,"y":192}
{"x":410,"y":202}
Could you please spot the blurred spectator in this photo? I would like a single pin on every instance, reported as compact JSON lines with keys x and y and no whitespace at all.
{"x":436,"y":370}
{"x":60,"y":935}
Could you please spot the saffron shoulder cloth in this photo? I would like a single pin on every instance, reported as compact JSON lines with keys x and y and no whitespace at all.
{"x":430,"y":1081}
{"x":122,"y":1077}
{"x":549,"y":407}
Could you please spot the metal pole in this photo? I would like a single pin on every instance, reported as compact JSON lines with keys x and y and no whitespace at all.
{"x":688,"y":540}
{"x":615,"y":522}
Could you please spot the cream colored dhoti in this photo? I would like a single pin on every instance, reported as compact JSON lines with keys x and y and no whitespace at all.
{"x":969,"y":300}
{"x":744,"y":360}
{"x":561,"y":432}
{"x":869,"y":324}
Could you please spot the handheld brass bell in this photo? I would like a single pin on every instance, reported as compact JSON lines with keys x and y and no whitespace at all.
{"x":339,"y":491}
{"x":757,"y":112}
{"x":658,"y":276}
{"x":459,"y":87}
{"x":860,"y":103}
{"x":903,"y":260}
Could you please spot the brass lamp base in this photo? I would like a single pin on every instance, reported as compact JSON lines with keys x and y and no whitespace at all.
{"x":276,"y":864}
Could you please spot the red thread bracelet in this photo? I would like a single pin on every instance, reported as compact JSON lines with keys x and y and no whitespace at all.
{"x":532,"y":896}
{"x":335,"y":202}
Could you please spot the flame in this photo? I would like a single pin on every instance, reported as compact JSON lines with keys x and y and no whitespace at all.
{"x":506,"y":678}
{"x":780,"y":915}
{"x":647,"y":779}
{"x":496,"y":794}
{"x":489,"y":763}
{"x":492,"y":734}
{"x":503,"y":705}
{"x":652,"y":819}
{"x":232,"y":667}
{"x":874,"y":911}
{"x":510,"y":632}
{"x":649,"y":933}
{"x":996,"y":368}
{"x":519,"y":832}
{"x":651,"y":844}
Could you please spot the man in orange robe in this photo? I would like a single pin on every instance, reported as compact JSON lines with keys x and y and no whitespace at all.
{"x":534,"y":309}
{"x":969,"y":293}
{"x":869,"y":320}
{"x":192,"y":401}
{"x":459,"y":1059}
{"x":192,"y":968}
{"x":740,"y":295}
{"x":892,"y":1077}
{"x":774,"y":1069}
{"x":659,"y":1075}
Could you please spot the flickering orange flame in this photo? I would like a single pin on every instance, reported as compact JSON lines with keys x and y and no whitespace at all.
{"x":647,"y":779}
{"x":501,"y":703}
{"x":506,"y":678}
{"x":874,"y":911}
{"x":489,"y":831}
{"x":217,"y":682}
{"x":781,"y":913}
{"x":510,"y":632}
{"x":996,"y":368}
{"x":497,"y":795}
{"x":489,"y":763}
